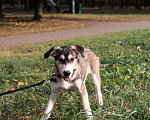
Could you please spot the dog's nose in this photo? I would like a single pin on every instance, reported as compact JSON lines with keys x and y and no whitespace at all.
{"x":67,"y":73}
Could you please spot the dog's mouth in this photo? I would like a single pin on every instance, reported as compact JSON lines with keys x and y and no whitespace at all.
{"x":68,"y":79}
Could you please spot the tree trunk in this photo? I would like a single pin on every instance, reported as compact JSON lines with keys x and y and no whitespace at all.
{"x":25,"y":5}
{"x":93,"y":3}
{"x":145,"y":3}
{"x":127,"y":3}
{"x":138,"y":4}
{"x":38,"y":9}
{"x":101,"y":3}
{"x":1,"y":9}
{"x":13,"y":3}
{"x":112,"y":4}
{"x":121,"y":4}
{"x":31,"y":4}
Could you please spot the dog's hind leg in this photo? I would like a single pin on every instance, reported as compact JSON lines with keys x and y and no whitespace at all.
{"x":96,"y":80}
{"x":50,"y":103}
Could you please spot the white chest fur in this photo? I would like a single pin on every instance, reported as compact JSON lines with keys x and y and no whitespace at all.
{"x":62,"y":84}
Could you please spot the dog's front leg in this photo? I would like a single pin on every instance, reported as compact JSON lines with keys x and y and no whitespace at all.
{"x":85,"y":101}
{"x":50,"y":104}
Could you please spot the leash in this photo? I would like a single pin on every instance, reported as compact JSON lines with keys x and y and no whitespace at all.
{"x":37,"y":84}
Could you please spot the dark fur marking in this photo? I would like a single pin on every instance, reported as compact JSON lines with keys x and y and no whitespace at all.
{"x":53,"y":80}
{"x":59,"y":76}
{"x":66,"y":51}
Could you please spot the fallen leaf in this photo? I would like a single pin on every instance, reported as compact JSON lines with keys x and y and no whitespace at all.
{"x":54,"y":107}
{"x":12,"y":89}
{"x":16,"y":113}
{"x":114,"y":65}
{"x":115,"y":77}
{"x":15,"y":81}
{"x":138,"y":47}
{"x":140,"y":50}
{"x":40,"y":116}
{"x":3,"y":115}
{"x":20,"y":83}
{"x":109,"y":113}
{"x":128,"y":109}
{"x":127,"y":77}
{"x":7,"y":89}
{"x":137,"y":94}
{"x":34,"y":101}
{"x":28,"y":118}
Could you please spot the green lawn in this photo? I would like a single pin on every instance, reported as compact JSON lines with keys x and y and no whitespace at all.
{"x":125,"y":74}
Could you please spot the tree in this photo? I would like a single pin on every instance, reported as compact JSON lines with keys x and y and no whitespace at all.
{"x":112,"y":4}
{"x":138,"y":4}
{"x":1,"y":9}
{"x":25,"y":5}
{"x":122,"y":3}
{"x":127,"y":3}
{"x":146,"y":3}
{"x":38,"y":9}
{"x":101,"y":3}
{"x":92,"y":3}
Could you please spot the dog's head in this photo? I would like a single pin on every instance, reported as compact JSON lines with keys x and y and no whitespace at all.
{"x":65,"y":59}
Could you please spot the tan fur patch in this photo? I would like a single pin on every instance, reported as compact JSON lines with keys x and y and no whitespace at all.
{"x":73,"y":47}
{"x":70,"y":56}
{"x":62,"y":57}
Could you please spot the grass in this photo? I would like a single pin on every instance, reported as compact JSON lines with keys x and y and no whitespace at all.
{"x":125,"y":75}
{"x":108,"y":15}
{"x":108,"y":18}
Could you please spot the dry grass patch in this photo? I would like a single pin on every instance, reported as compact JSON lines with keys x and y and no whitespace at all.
{"x":14,"y":25}
{"x":107,"y":17}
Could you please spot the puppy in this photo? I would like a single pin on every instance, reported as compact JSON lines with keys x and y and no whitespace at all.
{"x":72,"y":65}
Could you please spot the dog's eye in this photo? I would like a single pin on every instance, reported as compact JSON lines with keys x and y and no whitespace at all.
{"x":72,"y":59}
{"x":60,"y":60}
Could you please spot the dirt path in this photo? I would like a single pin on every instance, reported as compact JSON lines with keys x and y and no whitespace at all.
{"x":94,"y":28}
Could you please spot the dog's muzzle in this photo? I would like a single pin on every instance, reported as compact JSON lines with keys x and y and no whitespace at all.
{"x":67,"y":75}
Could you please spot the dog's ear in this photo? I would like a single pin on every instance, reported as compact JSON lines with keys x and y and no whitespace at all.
{"x":52,"y":52}
{"x":78,"y":49}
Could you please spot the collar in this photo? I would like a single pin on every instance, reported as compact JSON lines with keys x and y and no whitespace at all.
{"x":57,"y":71}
